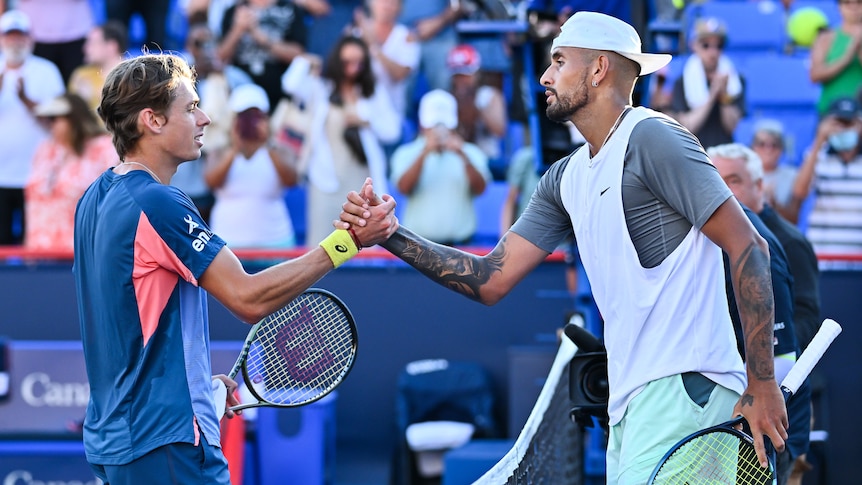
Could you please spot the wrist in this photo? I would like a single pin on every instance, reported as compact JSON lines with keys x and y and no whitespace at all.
{"x":340,"y":246}
{"x":355,"y":238}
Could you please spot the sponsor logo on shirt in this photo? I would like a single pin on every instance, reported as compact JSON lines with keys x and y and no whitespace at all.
{"x":203,"y":236}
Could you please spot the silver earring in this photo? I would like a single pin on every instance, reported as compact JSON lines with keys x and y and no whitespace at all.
{"x":595,"y":84}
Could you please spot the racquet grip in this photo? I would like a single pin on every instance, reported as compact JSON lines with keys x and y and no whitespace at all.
{"x":829,"y":329}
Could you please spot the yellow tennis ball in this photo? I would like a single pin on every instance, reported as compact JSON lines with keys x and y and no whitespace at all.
{"x":804,"y":25}
{"x":679,"y":4}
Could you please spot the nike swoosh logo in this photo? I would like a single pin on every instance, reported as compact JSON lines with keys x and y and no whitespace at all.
{"x":603,"y":192}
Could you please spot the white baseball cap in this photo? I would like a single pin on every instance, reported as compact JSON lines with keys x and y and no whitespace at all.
{"x":248,"y":96}
{"x":597,"y":31}
{"x":14,"y":20}
{"x":438,"y":107}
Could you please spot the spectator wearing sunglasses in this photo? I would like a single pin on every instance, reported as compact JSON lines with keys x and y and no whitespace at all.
{"x":708,"y":98}
{"x":75,"y":153}
{"x":778,"y":175}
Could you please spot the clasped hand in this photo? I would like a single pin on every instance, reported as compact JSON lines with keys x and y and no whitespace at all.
{"x":372,"y":217}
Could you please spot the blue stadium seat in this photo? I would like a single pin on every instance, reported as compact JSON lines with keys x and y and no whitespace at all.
{"x":776,"y":82}
{"x":296,"y":445}
{"x":177,"y":26}
{"x":514,"y":139}
{"x":487,"y":208}
{"x":800,"y":127}
{"x":99,"y":12}
{"x":751,"y":26}
{"x":137,"y":33}
{"x":440,"y":390}
{"x":295,"y":198}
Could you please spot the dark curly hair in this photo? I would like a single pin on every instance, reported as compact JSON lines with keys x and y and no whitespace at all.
{"x":147,"y":81}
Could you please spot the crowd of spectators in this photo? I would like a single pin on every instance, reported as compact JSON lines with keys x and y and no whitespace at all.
{"x":335,"y":117}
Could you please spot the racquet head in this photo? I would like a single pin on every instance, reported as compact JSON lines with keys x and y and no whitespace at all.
{"x":299,"y":353}
{"x":717,"y":455}
{"x":723,"y":454}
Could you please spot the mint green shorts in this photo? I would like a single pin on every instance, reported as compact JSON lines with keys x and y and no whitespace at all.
{"x":657,"y":418}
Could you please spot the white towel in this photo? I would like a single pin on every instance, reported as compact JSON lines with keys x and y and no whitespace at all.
{"x":694,"y":80}
{"x":219,"y":397}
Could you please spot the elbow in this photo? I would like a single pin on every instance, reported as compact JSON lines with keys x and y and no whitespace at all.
{"x":799,"y":193}
{"x":490,"y":298}
{"x":249,"y":313}
{"x":247,"y":306}
{"x":762,"y":244}
{"x":404,"y":187}
{"x":490,"y":295}
{"x":479,"y":188}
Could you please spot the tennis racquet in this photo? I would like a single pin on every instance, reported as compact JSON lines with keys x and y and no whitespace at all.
{"x":723,"y":454}
{"x":299,"y":353}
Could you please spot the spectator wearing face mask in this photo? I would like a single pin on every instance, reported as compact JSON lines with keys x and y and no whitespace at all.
{"x":832,"y":169}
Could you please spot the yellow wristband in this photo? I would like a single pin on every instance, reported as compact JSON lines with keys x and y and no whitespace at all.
{"x":339,"y":246}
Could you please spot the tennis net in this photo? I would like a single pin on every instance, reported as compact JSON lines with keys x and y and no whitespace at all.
{"x":549,"y":447}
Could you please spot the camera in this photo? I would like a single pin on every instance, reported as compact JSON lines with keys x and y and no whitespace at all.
{"x":588,"y":388}
{"x":588,"y":378}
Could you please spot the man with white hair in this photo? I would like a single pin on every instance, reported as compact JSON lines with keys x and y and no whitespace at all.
{"x":742,"y":171}
{"x":651,"y":217}
{"x":25,"y":81}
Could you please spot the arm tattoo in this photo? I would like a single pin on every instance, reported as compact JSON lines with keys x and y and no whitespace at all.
{"x":754,"y":297}
{"x":457,"y":270}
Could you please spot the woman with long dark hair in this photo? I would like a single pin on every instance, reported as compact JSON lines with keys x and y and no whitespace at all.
{"x":349,"y":120}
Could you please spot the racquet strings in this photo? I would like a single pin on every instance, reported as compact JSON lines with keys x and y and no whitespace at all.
{"x":715,"y":457}
{"x":301,"y":351}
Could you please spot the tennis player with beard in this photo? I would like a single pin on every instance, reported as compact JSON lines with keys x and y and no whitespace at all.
{"x":651,"y":216}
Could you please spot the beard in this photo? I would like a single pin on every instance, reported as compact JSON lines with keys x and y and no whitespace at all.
{"x":16,"y":55}
{"x":565,"y":107}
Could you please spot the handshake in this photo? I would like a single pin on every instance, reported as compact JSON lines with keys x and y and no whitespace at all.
{"x":369,"y":218}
